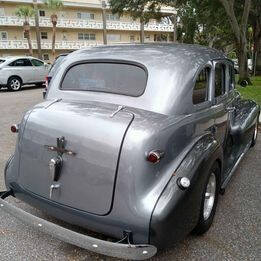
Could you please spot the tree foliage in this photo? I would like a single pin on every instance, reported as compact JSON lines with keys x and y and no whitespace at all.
{"x":137,"y":9}
{"x":255,"y":22}
{"x":25,"y":12}
{"x":222,"y":24}
{"x":54,"y":6}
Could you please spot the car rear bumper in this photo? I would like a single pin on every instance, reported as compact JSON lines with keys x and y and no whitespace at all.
{"x":119,"y":250}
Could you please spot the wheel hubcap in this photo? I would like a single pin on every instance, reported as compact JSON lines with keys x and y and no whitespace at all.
{"x":15,"y":84}
{"x":209,"y":196}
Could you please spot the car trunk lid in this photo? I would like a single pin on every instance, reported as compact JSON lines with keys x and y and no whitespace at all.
{"x":94,"y":133}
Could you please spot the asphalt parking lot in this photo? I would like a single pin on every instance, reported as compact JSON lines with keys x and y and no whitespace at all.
{"x":235,"y":234}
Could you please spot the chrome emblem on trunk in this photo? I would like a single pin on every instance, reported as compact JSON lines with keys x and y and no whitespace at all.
{"x":60,"y":148}
{"x":56,"y":163}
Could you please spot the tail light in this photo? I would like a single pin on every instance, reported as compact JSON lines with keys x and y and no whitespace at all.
{"x":46,"y":81}
{"x":155,"y":156}
{"x":15,"y":128}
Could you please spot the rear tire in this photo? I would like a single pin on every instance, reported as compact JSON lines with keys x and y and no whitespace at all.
{"x":14,"y":84}
{"x":255,"y":133}
{"x":209,"y":201}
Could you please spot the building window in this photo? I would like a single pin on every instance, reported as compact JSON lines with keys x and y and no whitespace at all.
{"x":86,"y":36}
{"x":44,"y":35}
{"x":64,"y":37}
{"x":41,"y":13}
{"x":147,"y":38}
{"x":85,"y":16}
{"x":114,"y":37}
{"x":3,"y":36}
{"x":113,"y":17}
{"x":160,"y":38}
{"x":132,"y":38}
{"x":46,"y":57}
{"x":200,"y":91}
{"x":2,"y":12}
{"x":62,"y":14}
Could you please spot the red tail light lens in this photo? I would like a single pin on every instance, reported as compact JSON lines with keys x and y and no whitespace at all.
{"x":155,"y":156}
{"x":15,"y":128}
{"x":46,"y":81}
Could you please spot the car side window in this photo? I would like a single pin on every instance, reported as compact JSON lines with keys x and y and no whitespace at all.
{"x":21,"y":62}
{"x":200,"y":91}
{"x":220,"y":79}
{"x":37,"y":62}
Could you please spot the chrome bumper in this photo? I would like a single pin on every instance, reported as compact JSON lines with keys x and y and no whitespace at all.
{"x":124,"y":251}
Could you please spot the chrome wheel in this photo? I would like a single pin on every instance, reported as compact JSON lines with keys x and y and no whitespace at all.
{"x":15,"y":84}
{"x":210,"y":195}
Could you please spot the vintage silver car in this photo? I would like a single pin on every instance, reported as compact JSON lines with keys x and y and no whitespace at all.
{"x":134,"y":142}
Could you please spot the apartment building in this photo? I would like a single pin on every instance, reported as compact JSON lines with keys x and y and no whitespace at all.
{"x":79,"y":25}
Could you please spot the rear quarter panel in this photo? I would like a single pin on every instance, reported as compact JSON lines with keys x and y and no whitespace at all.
{"x":243,"y":120}
{"x":139,"y":182}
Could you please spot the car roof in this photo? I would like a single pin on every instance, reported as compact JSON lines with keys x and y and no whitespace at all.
{"x":18,"y":57}
{"x":156,"y":55}
{"x":171,"y":74}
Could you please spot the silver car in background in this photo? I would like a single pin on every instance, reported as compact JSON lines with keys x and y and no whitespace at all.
{"x":18,"y":71}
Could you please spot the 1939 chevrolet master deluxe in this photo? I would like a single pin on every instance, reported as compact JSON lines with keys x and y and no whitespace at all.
{"x":134,"y":142}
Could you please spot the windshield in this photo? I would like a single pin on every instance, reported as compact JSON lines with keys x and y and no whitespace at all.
{"x":117,"y":78}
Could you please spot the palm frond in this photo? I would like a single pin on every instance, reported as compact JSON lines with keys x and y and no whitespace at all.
{"x":53,"y":4}
{"x":25,"y":12}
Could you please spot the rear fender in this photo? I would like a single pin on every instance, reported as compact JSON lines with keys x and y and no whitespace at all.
{"x":12,"y":165}
{"x":177,"y":211}
{"x":244,"y":118}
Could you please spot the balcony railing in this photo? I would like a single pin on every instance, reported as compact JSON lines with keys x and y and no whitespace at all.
{"x":88,"y":24}
{"x":47,"y":45}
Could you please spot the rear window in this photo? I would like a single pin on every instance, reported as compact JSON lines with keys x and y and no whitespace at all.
{"x":117,"y":78}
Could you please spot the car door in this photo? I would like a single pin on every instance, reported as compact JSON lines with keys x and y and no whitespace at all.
{"x":23,"y":68}
{"x":202,"y":113}
{"x":239,"y":110}
{"x":40,"y":70}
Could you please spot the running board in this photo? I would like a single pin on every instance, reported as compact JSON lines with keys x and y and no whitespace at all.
{"x":226,"y":181}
